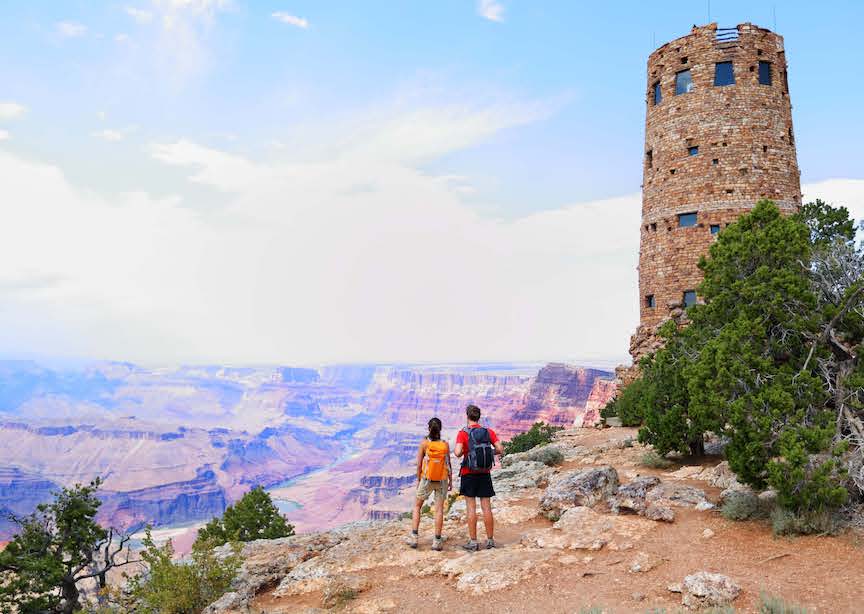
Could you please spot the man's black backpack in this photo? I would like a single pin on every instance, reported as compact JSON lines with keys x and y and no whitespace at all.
{"x":481,"y":454}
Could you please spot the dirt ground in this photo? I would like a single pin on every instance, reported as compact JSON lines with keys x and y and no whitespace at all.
{"x":824,"y":574}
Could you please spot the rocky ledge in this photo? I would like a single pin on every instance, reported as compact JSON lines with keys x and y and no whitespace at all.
{"x":597,"y":530}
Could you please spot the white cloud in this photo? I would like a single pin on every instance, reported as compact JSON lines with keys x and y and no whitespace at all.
{"x":11,"y":110}
{"x":350,"y":256}
{"x":354,"y":254}
{"x":142,"y":16}
{"x":71,"y":29}
{"x":491,"y":10}
{"x":291,"y":20}
{"x":122,"y":38}
{"x":846,"y":192}
{"x":4,"y":135}
{"x":110,"y":135}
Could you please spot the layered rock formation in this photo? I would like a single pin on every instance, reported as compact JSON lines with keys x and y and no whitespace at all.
{"x":557,"y":395}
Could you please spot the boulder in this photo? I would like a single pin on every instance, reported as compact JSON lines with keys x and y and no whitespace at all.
{"x":520,"y":475}
{"x":677,"y":495}
{"x":550,"y":454}
{"x":704,"y":590}
{"x":631,"y":496}
{"x":586,"y":487}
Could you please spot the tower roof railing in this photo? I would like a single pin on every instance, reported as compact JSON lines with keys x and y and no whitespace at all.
{"x":726,"y":35}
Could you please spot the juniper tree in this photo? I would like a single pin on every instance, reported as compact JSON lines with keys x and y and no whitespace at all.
{"x":57,"y":548}
{"x":769,"y":359}
{"x":254,"y":516}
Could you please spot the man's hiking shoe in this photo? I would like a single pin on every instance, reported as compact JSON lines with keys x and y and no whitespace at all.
{"x":412,"y":540}
{"x":471,"y":546}
{"x":438,"y":544}
{"x":490,"y":543}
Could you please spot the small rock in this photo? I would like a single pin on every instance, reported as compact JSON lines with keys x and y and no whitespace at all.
{"x":674,"y":588}
{"x":644,"y":562}
{"x":637,"y":596}
{"x":339,"y":591}
{"x":707,"y":534}
{"x":684,"y":472}
{"x":659,"y":512}
{"x":704,"y":589}
{"x":703,"y":506}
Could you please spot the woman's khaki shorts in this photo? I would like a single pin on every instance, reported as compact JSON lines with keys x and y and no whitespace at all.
{"x":426,"y":488}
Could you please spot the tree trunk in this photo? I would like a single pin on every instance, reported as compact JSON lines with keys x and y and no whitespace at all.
{"x":70,"y":596}
{"x":697,"y":447}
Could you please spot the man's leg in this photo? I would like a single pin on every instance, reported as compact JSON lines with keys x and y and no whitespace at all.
{"x":471,"y":505}
{"x":488,"y":520}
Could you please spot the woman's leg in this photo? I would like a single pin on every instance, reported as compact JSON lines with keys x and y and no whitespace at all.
{"x":439,"y":515}
{"x":418,"y":505}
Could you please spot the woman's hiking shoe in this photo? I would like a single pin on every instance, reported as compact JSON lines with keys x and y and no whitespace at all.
{"x":412,"y":540}
{"x":490,"y":543}
{"x":471,"y":546}
{"x":438,"y":544}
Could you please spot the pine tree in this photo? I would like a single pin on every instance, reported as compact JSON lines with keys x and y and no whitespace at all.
{"x":254,"y":516}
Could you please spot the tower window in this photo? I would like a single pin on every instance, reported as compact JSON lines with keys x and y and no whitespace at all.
{"x":686,"y":220}
{"x":683,"y":82}
{"x":657,"y":93}
{"x":724,"y":74}
{"x":653,"y":226}
{"x":689,"y":297}
{"x":649,"y":158}
{"x":791,"y":137}
{"x":715,"y":228}
{"x":715,"y":161}
{"x":765,"y":73}
{"x":649,"y":301}
{"x":693,"y":151}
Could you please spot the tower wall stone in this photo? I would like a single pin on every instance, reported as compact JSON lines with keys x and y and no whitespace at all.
{"x":745,"y":152}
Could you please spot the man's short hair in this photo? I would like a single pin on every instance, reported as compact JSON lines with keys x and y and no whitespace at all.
{"x":473,"y":413}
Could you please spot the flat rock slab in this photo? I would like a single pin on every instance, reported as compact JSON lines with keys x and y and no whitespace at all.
{"x":581,"y":528}
{"x":490,"y":570}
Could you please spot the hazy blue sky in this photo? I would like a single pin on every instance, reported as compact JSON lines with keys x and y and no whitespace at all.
{"x":307,"y":180}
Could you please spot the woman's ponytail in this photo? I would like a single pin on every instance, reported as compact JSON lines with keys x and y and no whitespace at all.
{"x":434,"y":429}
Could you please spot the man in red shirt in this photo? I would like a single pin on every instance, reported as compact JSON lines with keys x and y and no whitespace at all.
{"x":476,"y":447}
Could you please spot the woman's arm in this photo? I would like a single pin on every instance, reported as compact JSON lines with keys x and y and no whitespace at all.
{"x":421,"y":452}
{"x":449,"y":467}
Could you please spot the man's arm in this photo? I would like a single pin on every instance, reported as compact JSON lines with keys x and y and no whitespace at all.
{"x":421,"y":452}
{"x":499,"y":448}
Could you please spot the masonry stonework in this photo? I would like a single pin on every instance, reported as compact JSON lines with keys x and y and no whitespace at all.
{"x":713,"y":148}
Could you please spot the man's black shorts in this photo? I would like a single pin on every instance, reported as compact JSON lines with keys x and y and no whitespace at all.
{"x":476,"y":485}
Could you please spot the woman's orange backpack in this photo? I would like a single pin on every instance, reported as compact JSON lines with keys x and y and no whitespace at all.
{"x":436,"y":461}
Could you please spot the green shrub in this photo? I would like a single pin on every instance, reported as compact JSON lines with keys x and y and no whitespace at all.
{"x":180,"y":587}
{"x":788,"y":522}
{"x":775,"y":605}
{"x":539,"y":434}
{"x":253,"y":517}
{"x":745,"y":506}
{"x":655,"y":461}
{"x":627,"y":405}
{"x":548,"y":455}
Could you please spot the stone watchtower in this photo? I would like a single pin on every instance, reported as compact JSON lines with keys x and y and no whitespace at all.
{"x":718,"y":138}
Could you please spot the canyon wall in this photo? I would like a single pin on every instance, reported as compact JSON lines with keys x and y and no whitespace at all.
{"x":174,"y":446}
